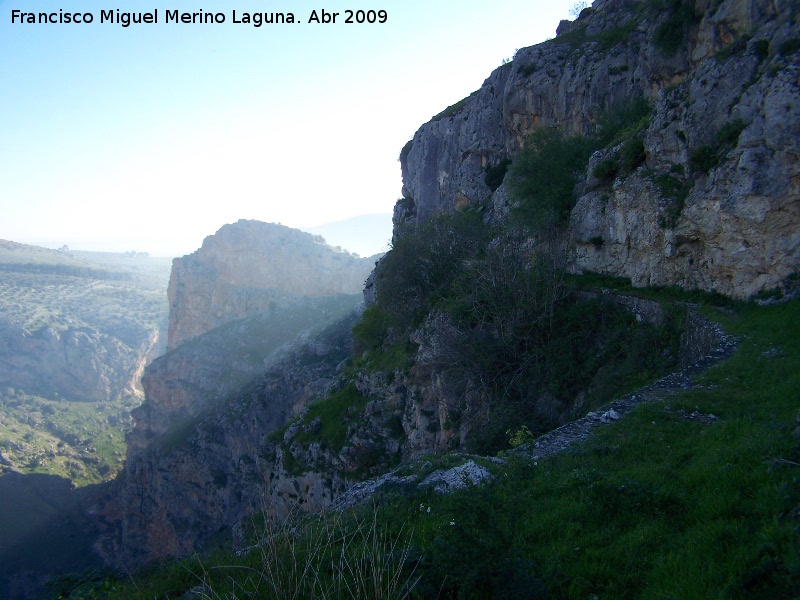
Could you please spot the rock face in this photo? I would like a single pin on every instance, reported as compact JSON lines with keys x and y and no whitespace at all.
{"x":76,"y":364}
{"x":737,"y":232}
{"x":203,"y":477}
{"x":248,"y":266}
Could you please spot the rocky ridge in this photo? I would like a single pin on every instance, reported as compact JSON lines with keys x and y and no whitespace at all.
{"x":248,"y":348}
{"x":735,"y":232}
{"x":200,"y":478}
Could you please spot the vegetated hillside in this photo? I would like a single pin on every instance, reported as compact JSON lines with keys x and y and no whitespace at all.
{"x":74,"y":330}
{"x":485,"y":327}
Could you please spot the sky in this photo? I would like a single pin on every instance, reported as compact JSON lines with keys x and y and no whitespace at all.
{"x":151,"y":137}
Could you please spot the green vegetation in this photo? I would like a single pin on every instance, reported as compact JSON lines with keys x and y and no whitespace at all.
{"x":543,"y":177}
{"x":506,"y":326}
{"x":671,"y":34}
{"x":632,"y":155}
{"x":736,"y":48}
{"x":761,"y":49}
{"x":84,"y":442}
{"x":606,"y":40}
{"x":706,"y":157}
{"x":668,"y":502}
{"x":606,"y":170}
{"x":454,"y":109}
{"x":545,"y":173}
{"x":120,"y":295}
{"x":529,"y":69}
{"x":728,"y":135}
{"x":420,"y":271}
{"x":333,"y":414}
{"x":675,"y":190}
{"x":789,"y":46}
{"x":342,"y":556}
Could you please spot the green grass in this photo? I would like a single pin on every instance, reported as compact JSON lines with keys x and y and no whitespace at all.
{"x":454,"y":109}
{"x":334,"y":413}
{"x":81,"y":441}
{"x":656,"y":506}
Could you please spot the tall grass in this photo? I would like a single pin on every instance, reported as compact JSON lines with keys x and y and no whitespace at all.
{"x":330,"y":556}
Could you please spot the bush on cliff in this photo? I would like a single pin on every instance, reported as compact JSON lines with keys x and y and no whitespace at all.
{"x":543,"y":177}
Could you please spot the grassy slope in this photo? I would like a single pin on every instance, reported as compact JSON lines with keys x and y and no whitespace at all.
{"x":654,"y":506}
{"x":661,"y":506}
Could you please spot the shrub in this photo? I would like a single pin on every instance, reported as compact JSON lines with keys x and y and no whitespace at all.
{"x":622,"y":120}
{"x":729,"y":134}
{"x":372,"y":329}
{"x":671,"y":34}
{"x":529,"y":69}
{"x":676,"y":191}
{"x":790,"y":46}
{"x":606,"y":170}
{"x":544,"y":175}
{"x":632,"y":155}
{"x":704,"y":159}
{"x":419,"y":270}
{"x":761,"y":49}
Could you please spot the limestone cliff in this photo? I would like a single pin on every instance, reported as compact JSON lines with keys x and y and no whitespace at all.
{"x":726,"y":61}
{"x":245,"y":354}
{"x":248,"y":266}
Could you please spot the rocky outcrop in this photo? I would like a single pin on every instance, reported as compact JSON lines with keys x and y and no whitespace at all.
{"x":734,"y":231}
{"x":737,"y":232}
{"x":75,"y":364}
{"x":246,"y":354}
{"x":248,"y":267}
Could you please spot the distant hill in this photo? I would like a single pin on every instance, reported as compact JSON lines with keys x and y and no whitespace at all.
{"x":365,"y":235}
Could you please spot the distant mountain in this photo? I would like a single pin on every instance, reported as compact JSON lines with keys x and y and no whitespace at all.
{"x":365,"y":235}
{"x":249,"y":267}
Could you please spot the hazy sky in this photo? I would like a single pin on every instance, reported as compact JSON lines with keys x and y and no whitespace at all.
{"x":153,"y":136}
